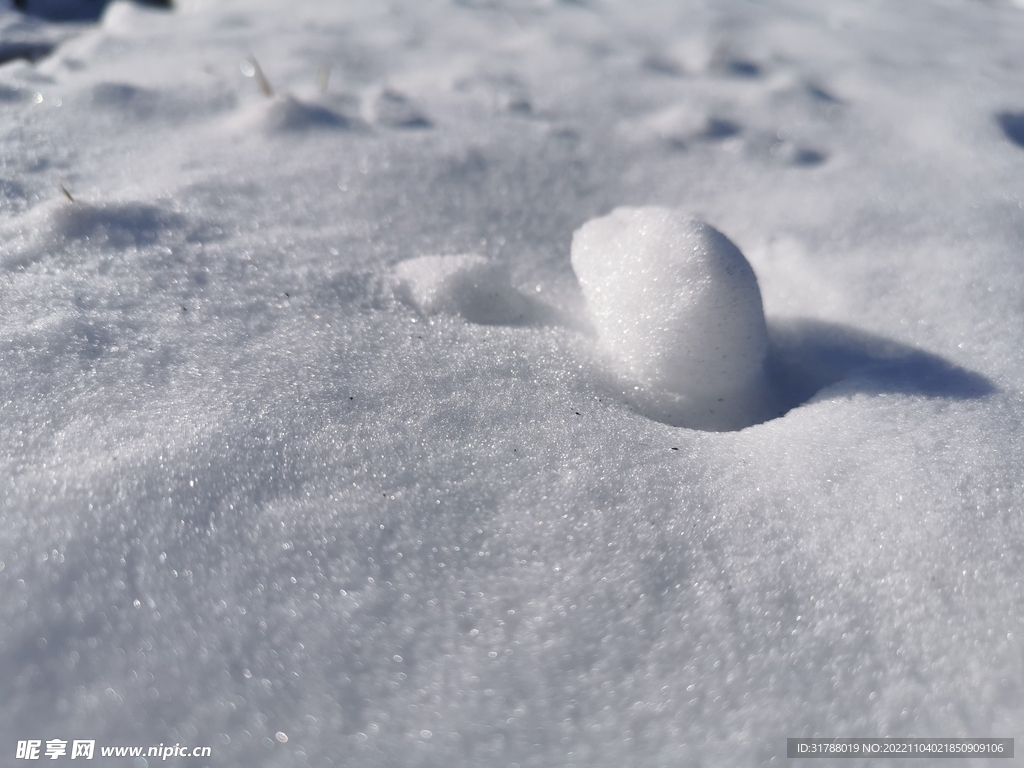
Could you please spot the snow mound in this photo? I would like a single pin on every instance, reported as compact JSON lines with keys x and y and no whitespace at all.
{"x":473,"y":287}
{"x":286,"y":114}
{"x":678,"y":307}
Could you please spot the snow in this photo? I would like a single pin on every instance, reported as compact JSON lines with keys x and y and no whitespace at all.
{"x":310,"y":448}
{"x":473,"y":287}
{"x":678,"y":307}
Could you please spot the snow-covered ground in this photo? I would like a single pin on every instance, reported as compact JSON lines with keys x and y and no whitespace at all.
{"x":310,"y":451}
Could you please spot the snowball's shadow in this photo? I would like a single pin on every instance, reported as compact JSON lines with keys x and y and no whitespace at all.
{"x":806,"y":356}
{"x":1012,"y":124}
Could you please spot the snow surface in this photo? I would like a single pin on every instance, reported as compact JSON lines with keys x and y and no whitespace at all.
{"x":274,"y":483}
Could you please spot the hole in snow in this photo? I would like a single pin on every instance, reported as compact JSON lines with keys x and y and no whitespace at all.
{"x":473,"y":287}
{"x":742,"y":68}
{"x":396,"y":110}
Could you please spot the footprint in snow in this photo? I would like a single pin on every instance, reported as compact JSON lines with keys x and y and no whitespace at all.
{"x":395,"y":110}
{"x":475,"y":288}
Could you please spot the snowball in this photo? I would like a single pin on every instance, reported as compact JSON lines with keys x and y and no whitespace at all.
{"x":678,"y":307}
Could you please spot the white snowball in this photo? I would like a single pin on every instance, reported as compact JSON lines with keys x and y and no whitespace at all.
{"x":677,"y":306}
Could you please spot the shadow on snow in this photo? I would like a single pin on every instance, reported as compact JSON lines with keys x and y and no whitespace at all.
{"x":806,"y":356}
